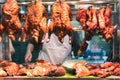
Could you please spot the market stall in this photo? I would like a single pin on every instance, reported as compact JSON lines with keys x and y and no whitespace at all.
{"x":98,"y":19}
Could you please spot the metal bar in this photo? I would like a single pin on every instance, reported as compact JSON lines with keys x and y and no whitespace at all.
{"x":72,"y":2}
{"x":77,"y":29}
{"x":75,"y":2}
{"x":91,"y":2}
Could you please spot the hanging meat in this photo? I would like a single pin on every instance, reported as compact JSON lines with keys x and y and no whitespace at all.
{"x":101,"y":19}
{"x":35,"y":24}
{"x":105,"y":25}
{"x":92,"y":18}
{"x":87,"y":18}
{"x":88,"y":21}
{"x":1,"y":31}
{"x":93,"y":21}
{"x":10,"y":20}
{"x":107,"y":33}
{"x":60,"y":23}
{"x":81,"y":17}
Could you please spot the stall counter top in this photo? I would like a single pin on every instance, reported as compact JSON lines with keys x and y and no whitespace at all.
{"x":66,"y":77}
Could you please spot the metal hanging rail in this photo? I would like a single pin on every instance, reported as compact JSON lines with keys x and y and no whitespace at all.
{"x":72,"y":2}
{"x":75,"y":2}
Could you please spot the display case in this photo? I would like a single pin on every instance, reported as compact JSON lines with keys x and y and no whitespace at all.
{"x":97,"y":45}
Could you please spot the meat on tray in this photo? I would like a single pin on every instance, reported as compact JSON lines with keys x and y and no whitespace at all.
{"x":42,"y":68}
{"x":39,"y":68}
{"x":80,"y":69}
{"x":10,"y":20}
{"x":99,"y":70}
{"x":60,"y":22}
{"x":35,"y":24}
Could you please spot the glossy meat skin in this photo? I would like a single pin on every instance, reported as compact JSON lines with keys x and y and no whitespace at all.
{"x":116,"y":71}
{"x":92,"y":18}
{"x":42,"y":68}
{"x":101,"y":18}
{"x":39,"y":68}
{"x":106,"y":64}
{"x":107,"y":33}
{"x":88,"y":21}
{"x":87,"y":18}
{"x":60,"y":23}
{"x":107,"y":15}
{"x":81,"y":16}
{"x":11,"y":68}
{"x":10,"y":18}
{"x":104,"y":69}
{"x":95,"y":21}
{"x":2,"y":72}
{"x":105,"y":25}
{"x":35,"y":24}
{"x":80,"y":69}
{"x":1,"y":31}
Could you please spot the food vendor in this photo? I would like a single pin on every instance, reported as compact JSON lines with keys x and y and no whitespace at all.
{"x":53,"y":51}
{"x":20,"y":46}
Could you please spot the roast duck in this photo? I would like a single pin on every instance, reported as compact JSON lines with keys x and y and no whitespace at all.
{"x":39,"y":68}
{"x":93,"y":21}
{"x":35,"y":23}
{"x":60,"y":22}
{"x":10,"y":20}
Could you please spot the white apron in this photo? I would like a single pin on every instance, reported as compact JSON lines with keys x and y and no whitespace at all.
{"x":55,"y":51}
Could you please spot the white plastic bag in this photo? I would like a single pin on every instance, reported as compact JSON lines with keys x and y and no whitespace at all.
{"x":55,"y":51}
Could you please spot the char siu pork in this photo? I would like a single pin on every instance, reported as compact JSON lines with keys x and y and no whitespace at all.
{"x":101,"y":19}
{"x":81,"y":17}
{"x":105,"y":25}
{"x":1,"y":31}
{"x":95,"y":21}
{"x":92,"y":18}
{"x":107,"y":33}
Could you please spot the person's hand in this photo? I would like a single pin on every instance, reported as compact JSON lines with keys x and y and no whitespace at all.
{"x":28,"y":57}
